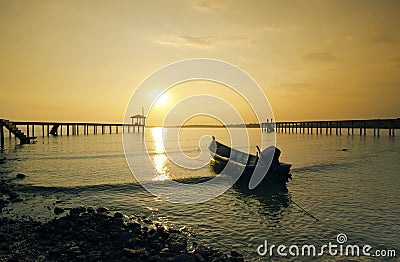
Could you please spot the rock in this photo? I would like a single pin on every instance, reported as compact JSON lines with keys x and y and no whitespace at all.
{"x":118,"y":215}
{"x":177,"y":244}
{"x":155,"y":258}
{"x":102,"y":210}
{"x":164,"y":250}
{"x":20,"y":176}
{"x":184,"y":258}
{"x":18,"y":199}
{"x":157,"y":245}
{"x":76,"y":211}
{"x":74,"y":248}
{"x":58,"y":210}
{"x":199,"y":258}
{"x":234,"y":253}
{"x":12,"y":195}
{"x":85,"y":235}
{"x":55,"y":252}
{"x":135,"y":253}
{"x":132,"y":253}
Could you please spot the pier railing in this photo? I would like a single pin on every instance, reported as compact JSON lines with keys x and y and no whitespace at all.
{"x":337,"y":126}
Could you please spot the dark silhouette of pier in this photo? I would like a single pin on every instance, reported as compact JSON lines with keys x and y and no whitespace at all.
{"x":336,"y":126}
{"x":64,"y":129}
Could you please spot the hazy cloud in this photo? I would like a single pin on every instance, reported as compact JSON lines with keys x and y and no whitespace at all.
{"x":320,"y":57}
{"x":390,"y":88}
{"x":383,"y":39}
{"x":202,"y":42}
{"x":209,"y":5}
{"x":189,"y":41}
{"x":395,"y":62}
{"x":278,"y":52}
{"x":267,"y":28}
{"x":294,"y":85}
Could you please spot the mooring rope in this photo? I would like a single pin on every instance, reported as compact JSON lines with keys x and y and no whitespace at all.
{"x":301,"y":208}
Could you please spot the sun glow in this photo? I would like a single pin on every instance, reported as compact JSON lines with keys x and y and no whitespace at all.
{"x":162,"y":100}
{"x":159,"y":158}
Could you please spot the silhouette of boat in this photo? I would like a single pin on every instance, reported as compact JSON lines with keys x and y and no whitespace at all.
{"x":273,"y":175}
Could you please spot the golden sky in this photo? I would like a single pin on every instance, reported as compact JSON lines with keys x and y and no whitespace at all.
{"x":77,"y":60}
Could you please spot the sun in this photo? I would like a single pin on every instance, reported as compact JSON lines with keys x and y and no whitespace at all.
{"x":162,"y":100}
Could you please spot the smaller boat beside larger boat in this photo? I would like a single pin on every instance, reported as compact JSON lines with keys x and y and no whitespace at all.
{"x":264,"y":167}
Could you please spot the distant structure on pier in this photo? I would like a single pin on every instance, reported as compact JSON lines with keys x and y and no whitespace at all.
{"x":138,"y":121}
{"x":268,"y":126}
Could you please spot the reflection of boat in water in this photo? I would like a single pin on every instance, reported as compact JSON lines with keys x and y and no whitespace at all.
{"x":273,"y":174}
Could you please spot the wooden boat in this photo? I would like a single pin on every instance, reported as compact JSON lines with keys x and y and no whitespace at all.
{"x":272,"y":171}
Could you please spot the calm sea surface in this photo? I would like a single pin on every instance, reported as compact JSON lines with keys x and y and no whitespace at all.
{"x":353,"y":191}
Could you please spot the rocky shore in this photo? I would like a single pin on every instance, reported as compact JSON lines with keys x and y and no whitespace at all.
{"x":95,"y":234}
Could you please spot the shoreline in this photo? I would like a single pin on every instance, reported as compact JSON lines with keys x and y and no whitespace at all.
{"x":93,"y":234}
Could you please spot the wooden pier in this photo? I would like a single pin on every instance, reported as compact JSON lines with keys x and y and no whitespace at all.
{"x":337,"y":127}
{"x":62,"y":129}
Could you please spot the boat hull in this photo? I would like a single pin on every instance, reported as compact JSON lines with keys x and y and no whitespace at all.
{"x":243,"y":165}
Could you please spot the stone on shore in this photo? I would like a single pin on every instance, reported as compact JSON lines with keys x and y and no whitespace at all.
{"x":20,"y":176}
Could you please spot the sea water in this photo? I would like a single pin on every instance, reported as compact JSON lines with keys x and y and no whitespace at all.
{"x":350,"y":183}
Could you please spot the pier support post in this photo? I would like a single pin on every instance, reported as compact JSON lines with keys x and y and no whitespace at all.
{"x":27,"y":130}
{"x":1,"y":134}
{"x":42,"y":130}
{"x":352,"y":128}
{"x":48,"y":130}
{"x":61,"y":130}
